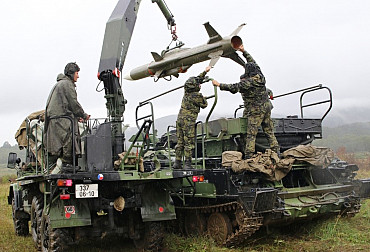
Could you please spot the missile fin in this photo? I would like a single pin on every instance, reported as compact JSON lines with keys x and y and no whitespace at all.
{"x":213,"y":61}
{"x":212,"y":33}
{"x":156,"y":56}
{"x":235,"y":57}
{"x":158,"y":73}
{"x":237,"y":30}
{"x":215,"y":56}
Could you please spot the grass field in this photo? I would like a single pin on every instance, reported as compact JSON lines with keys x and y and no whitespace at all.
{"x":333,"y":234}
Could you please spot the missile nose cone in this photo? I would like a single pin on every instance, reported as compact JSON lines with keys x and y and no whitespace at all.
{"x":128,"y":77}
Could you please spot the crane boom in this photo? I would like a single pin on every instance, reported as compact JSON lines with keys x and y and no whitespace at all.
{"x":117,"y":37}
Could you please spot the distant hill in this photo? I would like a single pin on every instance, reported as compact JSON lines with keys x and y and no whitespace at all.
{"x":355,"y":137}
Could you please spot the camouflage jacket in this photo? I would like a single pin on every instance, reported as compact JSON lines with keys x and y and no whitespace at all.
{"x":252,"y":89}
{"x":192,"y":102}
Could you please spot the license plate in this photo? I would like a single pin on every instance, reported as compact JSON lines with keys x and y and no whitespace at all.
{"x":86,"y":190}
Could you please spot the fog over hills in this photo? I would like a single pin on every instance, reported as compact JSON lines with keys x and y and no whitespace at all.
{"x":352,"y":120}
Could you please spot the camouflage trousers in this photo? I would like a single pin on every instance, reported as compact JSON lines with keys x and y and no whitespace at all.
{"x":259,"y":117}
{"x":185,"y":131}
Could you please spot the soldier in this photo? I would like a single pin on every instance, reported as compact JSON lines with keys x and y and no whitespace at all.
{"x":62,"y":101}
{"x":185,"y":124}
{"x":257,"y":107}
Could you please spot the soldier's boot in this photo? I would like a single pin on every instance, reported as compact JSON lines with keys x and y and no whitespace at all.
{"x":177,"y":164}
{"x":188,"y":164}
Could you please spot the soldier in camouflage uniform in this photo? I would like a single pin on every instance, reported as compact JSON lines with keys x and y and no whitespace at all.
{"x":62,"y":101}
{"x":257,"y":107}
{"x":185,"y":124}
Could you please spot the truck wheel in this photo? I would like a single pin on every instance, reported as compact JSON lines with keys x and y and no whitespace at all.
{"x":219,"y":227}
{"x":20,"y":224}
{"x":151,"y":237}
{"x":53,"y":239}
{"x":36,"y":214}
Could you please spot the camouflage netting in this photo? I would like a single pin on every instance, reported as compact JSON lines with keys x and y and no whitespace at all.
{"x":267,"y":163}
{"x":272,"y":166}
{"x":36,"y":137}
{"x":21,"y":134}
{"x":318,"y":156}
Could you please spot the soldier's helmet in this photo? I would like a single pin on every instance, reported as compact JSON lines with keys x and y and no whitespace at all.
{"x":251,"y":69}
{"x":70,"y":69}
{"x":192,"y":85}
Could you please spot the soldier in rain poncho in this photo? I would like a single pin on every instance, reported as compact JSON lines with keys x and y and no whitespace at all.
{"x":62,"y":101}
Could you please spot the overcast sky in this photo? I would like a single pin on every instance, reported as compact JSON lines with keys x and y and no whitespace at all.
{"x":297,"y":44}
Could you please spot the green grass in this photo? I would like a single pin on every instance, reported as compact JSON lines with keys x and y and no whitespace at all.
{"x":8,"y":240}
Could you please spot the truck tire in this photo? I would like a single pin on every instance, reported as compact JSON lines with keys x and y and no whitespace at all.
{"x":54,"y":239}
{"x":151,"y":237}
{"x":20,"y":224}
{"x":36,"y":215}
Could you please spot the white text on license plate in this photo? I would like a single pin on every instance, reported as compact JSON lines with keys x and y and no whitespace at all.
{"x":86,"y":190}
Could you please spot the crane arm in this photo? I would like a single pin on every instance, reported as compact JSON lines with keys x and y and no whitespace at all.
{"x":117,"y":37}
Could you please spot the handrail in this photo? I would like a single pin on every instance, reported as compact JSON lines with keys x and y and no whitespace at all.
{"x":144,"y":128}
{"x":196,"y":145}
{"x":29,"y":130}
{"x":330,"y":100}
{"x":213,"y":107}
{"x":36,"y":145}
{"x":168,"y":145}
{"x":142,"y":104}
{"x":73,"y":142}
{"x":147,"y":101}
{"x":304,"y":91}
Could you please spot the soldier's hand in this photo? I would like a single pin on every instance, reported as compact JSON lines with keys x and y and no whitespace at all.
{"x":215,"y":83}
{"x":208,"y":68}
{"x":241,"y":48}
{"x":84,"y":120}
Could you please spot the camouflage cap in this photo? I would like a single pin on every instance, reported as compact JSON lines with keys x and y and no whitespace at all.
{"x":70,"y":69}
{"x":192,"y":85}
{"x":251,"y":69}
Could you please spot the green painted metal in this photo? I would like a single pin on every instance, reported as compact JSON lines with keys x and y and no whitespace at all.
{"x":69,"y":213}
{"x":156,"y":204}
{"x":134,"y":175}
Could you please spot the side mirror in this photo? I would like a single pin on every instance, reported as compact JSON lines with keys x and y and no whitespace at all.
{"x":12,"y":160}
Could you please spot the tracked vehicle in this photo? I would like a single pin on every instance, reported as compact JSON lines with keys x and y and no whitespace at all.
{"x":230,"y":205}
{"x":109,"y":189}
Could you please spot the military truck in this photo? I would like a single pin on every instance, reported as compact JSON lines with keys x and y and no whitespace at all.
{"x":96,"y":197}
{"x":108,"y":188}
{"x":234,"y":198}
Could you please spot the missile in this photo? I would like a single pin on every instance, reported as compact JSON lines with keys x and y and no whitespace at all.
{"x":178,"y":60}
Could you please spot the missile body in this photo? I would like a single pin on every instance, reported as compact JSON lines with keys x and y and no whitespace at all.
{"x":178,"y":60}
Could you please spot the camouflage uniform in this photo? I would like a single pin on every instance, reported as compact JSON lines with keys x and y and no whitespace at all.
{"x":257,"y":107}
{"x":62,"y":101}
{"x":185,"y":124}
